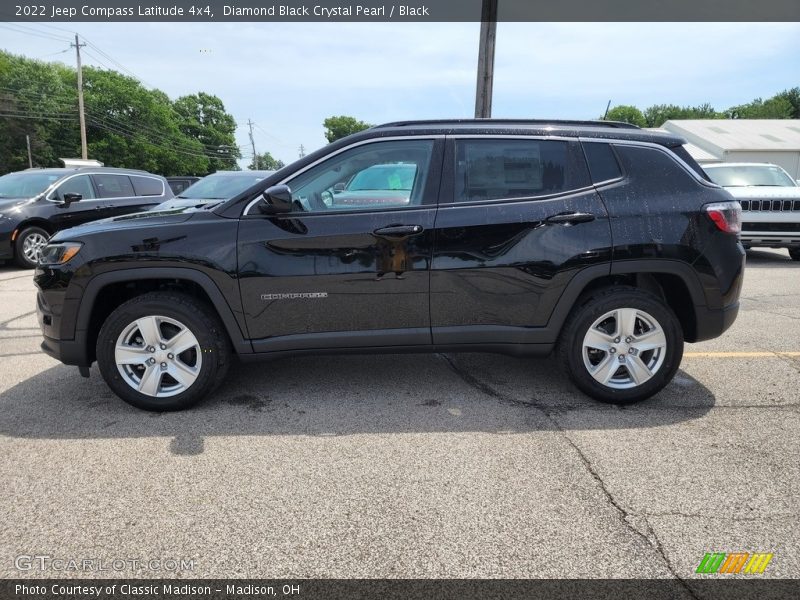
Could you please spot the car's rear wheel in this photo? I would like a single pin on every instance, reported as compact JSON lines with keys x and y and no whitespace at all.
{"x":162,"y":351}
{"x":29,"y":245}
{"x":794,"y":253}
{"x":621,"y":345}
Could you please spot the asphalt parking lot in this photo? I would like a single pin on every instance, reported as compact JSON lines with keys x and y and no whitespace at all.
{"x":412,"y":466}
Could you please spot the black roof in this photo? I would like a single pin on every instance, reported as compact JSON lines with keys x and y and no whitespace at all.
{"x":566,"y":128}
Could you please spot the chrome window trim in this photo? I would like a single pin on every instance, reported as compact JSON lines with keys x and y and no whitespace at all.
{"x":53,"y":186}
{"x":394,"y":138}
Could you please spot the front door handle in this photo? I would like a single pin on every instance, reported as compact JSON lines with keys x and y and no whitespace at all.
{"x":398,"y":230}
{"x":570,"y":218}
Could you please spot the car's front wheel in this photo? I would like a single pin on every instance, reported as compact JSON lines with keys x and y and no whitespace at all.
{"x":794,"y":253}
{"x":28,"y":246}
{"x":162,"y":351}
{"x":621,"y":345}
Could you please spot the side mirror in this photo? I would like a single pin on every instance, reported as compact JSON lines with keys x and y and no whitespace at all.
{"x":69,"y":198}
{"x":339,"y":187}
{"x":275,"y":200}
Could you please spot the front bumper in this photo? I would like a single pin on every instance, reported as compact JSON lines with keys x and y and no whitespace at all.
{"x":69,"y":352}
{"x":6,"y":245}
{"x":772,"y":229}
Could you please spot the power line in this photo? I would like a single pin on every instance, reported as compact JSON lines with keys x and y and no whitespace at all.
{"x":38,"y":117}
{"x":143,"y":139}
{"x":30,"y":98}
{"x":17,"y":28}
{"x":117,"y":63}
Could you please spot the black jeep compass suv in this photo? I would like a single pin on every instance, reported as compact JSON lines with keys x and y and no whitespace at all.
{"x":600,"y":241}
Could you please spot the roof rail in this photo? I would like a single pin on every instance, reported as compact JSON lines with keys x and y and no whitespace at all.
{"x":567,"y":122}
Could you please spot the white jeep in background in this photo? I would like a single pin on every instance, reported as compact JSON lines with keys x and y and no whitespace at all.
{"x":770,"y":201}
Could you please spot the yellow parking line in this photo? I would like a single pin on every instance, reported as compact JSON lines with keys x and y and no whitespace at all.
{"x":739,"y":354}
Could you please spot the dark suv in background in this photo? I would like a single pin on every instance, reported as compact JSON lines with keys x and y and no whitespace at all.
{"x":36,"y":203}
{"x":598,"y":240}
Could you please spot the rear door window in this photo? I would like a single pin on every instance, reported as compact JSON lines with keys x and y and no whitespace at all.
{"x":114,"y":186}
{"x":496,"y":169}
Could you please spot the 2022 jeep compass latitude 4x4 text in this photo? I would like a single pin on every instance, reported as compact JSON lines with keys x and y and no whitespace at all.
{"x":600,"y":241}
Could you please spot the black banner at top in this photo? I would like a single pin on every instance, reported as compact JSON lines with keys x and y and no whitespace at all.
{"x":409,"y":10}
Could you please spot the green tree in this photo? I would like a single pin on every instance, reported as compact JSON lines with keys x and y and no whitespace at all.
{"x":626,"y":114}
{"x":131,"y":126}
{"x":777,"y":107}
{"x":657,"y":115}
{"x":266,"y":162}
{"x":35,"y":101}
{"x":342,"y":126}
{"x":128,"y":125}
{"x":792,"y":96}
{"x":202,"y":117}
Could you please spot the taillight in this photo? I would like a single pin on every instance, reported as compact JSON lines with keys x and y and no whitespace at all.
{"x":727,"y":216}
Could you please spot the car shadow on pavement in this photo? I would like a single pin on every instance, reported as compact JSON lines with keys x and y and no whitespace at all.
{"x":770,"y":259}
{"x":343,"y":395}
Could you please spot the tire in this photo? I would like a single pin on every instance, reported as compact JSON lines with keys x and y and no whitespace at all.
{"x":794,"y":253}
{"x":642,"y":371}
{"x":27,"y":246}
{"x":146,"y":328}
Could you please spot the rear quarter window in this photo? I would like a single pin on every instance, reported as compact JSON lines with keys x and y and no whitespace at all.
{"x":147,"y":186}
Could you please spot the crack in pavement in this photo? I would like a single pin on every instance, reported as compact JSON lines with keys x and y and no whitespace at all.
{"x":626,"y":517}
{"x":735,"y":519}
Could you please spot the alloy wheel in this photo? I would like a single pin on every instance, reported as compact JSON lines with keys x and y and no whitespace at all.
{"x":32,"y":246}
{"x":158,"y":356}
{"x":624,"y":348}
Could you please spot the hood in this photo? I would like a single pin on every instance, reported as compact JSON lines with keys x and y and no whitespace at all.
{"x":7,"y":204}
{"x":135,"y":220}
{"x":769,"y":192}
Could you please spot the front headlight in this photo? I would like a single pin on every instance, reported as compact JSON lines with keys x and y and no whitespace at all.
{"x":58,"y":254}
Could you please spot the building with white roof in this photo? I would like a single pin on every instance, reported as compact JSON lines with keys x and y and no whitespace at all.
{"x":775,"y":141}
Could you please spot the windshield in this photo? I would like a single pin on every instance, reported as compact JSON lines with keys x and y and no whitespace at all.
{"x":384,"y":177}
{"x":219,"y":186}
{"x":749,"y":175}
{"x":25,"y":185}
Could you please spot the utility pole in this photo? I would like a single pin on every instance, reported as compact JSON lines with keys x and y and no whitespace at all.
{"x":81,"y":116}
{"x":483,"y":94}
{"x":30,"y":159}
{"x":302,"y":151}
{"x":253,"y":143}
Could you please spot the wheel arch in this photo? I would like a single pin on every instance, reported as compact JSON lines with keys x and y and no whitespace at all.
{"x":674,"y":281}
{"x":105,"y":292}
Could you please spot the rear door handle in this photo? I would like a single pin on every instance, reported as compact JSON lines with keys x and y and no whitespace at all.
{"x":398,"y":230}
{"x":570,"y":218}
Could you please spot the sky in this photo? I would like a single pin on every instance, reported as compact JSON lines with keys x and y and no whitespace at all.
{"x":288,"y":77}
